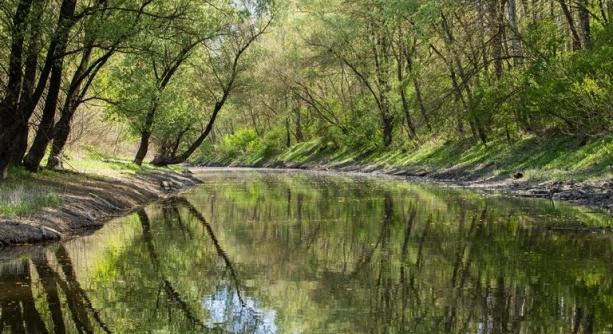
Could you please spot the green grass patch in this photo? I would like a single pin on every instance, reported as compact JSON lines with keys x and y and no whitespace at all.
{"x":101,"y":165}
{"x":555,"y":158}
{"x":24,"y":193}
{"x":21,"y":202}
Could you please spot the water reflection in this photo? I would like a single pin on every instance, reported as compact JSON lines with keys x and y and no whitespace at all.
{"x":229,"y":311}
{"x":19,"y":284}
{"x":306,"y":253}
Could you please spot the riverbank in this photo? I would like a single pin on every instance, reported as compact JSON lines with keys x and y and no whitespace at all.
{"x":53,"y":205}
{"x":560,"y":168}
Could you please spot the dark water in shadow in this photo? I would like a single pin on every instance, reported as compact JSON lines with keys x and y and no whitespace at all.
{"x":271,"y":252}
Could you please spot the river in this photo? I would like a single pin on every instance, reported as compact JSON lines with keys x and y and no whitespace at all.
{"x":301,"y":252}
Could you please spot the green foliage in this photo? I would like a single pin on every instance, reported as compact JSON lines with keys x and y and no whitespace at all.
{"x":244,"y":147}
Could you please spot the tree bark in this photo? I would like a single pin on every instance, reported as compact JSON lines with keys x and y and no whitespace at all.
{"x":29,"y":82}
{"x":515,"y":41}
{"x":382,"y":64}
{"x":400,"y":67}
{"x":419,"y":96}
{"x":576,"y":40}
{"x":298,"y":122}
{"x":584,"y":19}
{"x":162,"y":160}
{"x":44,"y":133}
{"x":76,"y":92}
{"x":288,"y":133}
{"x":143,"y":147}
{"x":497,"y":27}
{"x":10,"y":121}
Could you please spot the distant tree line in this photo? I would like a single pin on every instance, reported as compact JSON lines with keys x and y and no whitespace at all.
{"x":397,"y":73}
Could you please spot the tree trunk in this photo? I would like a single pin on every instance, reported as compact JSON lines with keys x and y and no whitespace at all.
{"x":456,"y":64}
{"x":143,"y":147}
{"x":9,"y":118}
{"x":383,"y":72}
{"x":44,"y":133}
{"x":400,"y":64}
{"x":497,"y":28}
{"x":298,"y":121}
{"x":288,"y":133}
{"x":407,"y":115}
{"x":162,"y":160}
{"x":60,"y":138}
{"x":571,"y":25}
{"x":515,"y":41}
{"x":76,"y":92}
{"x":45,"y":127}
{"x":29,"y":82}
{"x":419,"y":97}
{"x":584,"y":19}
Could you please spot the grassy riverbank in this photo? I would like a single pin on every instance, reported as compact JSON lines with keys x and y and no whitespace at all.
{"x":557,"y":158}
{"x":25,"y":193}
{"x":51,"y":205}
{"x":559,"y":167}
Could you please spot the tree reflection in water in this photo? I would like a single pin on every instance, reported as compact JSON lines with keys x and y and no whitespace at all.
{"x":269,"y":253}
{"x":19,"y":310}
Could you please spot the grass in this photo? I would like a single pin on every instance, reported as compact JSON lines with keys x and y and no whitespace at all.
{"x":24,"y":193}
{"x":557,"y":158}
{"x":21,"y":202}
{"x":98,"y":164}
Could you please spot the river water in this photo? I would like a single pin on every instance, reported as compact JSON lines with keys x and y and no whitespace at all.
{"x":300,"y":252}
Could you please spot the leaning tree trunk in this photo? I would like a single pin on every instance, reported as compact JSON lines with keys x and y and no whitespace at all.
{"x":145,"y":135}
{"x":29,"y":82}
{"x":73,"y":99}
{"x":576,"y":40}
{"x":143,"y":147}
{"x":60,"y":135}
{"x":9,"y":118}
{"x":45,"y":127}
{"x":44,"y":133}
{"x":164,"y":160}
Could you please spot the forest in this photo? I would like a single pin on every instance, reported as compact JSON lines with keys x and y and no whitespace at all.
{"x":457,"y":156}
{"x":244,"y":81}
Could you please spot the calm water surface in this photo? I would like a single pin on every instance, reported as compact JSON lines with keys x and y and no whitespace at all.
{"x":296,"y":252}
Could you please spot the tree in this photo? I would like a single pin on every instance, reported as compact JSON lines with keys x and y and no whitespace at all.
{"x":224,"y":56}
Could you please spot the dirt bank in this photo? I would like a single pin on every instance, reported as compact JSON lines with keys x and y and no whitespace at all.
{"x":595,"y":194}
{"x":87,"y":201}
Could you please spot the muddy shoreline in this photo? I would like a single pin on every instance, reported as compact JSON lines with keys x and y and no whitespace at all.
{"x":594,"y":195}
{"x":89,"y":202}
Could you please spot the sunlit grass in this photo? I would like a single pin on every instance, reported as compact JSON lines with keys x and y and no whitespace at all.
{"x":20,"y":202}
{"x":101,"y":165}
{"x":24,"y":192}
{"x":554,"y":158}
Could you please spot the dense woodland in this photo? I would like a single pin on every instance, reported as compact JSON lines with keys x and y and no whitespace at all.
{"x":200,"y":79}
